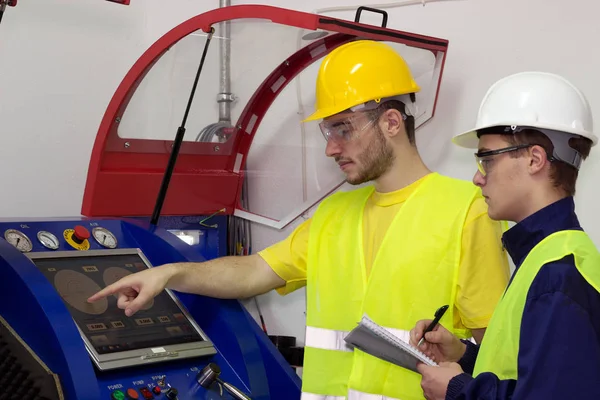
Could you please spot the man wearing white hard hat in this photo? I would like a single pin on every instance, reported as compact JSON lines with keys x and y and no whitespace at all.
{"x":543,"y":342}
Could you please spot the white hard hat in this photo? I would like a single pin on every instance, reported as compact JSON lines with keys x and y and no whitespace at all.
{"x":533,"y":99}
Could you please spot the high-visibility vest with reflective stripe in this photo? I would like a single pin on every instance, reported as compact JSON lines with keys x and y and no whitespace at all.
{"x":499,"y":350}
{"x":352,"y":395}
{"x":414,"y":273}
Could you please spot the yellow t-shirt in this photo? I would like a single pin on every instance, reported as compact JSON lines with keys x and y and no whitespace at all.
{"x":483,"y":274}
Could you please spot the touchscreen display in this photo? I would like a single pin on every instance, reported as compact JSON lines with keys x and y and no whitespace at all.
{"x":105,"y":325}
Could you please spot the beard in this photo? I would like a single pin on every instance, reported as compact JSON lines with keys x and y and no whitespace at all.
{"x":375,"y":160}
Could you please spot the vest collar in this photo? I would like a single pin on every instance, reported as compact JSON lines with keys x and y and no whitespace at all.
{"x":524,"y":236}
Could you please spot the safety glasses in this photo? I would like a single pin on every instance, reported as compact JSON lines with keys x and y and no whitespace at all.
{"x":485,"y":158}
{"x":345,"y":129}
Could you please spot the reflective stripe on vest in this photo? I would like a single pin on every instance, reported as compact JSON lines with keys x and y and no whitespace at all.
{"x":394,"y":294}
{"x":328,"y":339}
{"x":352,"y":395}
{"x":499,"y":350}
{"x":312,"y":396}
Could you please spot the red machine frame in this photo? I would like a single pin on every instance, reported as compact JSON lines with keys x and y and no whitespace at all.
{"x":125,"y":175}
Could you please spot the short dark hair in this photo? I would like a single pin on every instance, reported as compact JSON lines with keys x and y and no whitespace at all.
{"x":409,"y":122}
{"x":562,"y":175}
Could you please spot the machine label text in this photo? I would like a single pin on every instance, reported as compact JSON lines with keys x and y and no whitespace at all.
{"x":113,"y":387}
{"x":137,"y":383}
{"x":117,"y":324}
{"x":144,"y":321}
{"x":96,"y":327}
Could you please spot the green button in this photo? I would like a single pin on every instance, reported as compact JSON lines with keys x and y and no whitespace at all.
{"x":118,"y":395}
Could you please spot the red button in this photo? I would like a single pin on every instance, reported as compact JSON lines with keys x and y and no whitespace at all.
{"x":81,"y":233}
{"x":132,"y":394}
{"x":146,"y":393}
{"x":156,"y":390}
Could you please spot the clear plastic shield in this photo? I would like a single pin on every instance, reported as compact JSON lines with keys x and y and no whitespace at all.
{"x":286,"y":168}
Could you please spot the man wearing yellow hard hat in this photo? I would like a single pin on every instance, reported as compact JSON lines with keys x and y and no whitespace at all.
{"x":396,"y":250}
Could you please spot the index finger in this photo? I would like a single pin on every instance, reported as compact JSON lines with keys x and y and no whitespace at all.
{"x":417,"y":332}
{"x":107,"y":291}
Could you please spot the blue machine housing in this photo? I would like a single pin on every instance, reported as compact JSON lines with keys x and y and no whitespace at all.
{"x":35,"y":310}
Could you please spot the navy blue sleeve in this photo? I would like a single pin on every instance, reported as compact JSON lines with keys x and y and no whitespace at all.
{"x":559,"y":355}
{"x":467,"y":362}
{"x":486,"y":386}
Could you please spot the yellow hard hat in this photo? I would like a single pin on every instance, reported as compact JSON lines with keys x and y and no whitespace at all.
{"x":358,"y":72}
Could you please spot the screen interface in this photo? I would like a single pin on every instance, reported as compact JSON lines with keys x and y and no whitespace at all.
{"x":108,"y":329}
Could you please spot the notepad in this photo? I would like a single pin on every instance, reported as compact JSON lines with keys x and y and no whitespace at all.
{"x":371,"y":338}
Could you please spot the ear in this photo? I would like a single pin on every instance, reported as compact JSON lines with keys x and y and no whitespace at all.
{"x":538,"y":158}
{"x":392,"y":123}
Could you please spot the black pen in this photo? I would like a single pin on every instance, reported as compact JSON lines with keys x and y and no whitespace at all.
{"x":438,"y":315}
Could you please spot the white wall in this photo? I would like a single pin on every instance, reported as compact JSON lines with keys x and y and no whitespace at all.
{"x":60,"y":62}
{"x":488,"y":39}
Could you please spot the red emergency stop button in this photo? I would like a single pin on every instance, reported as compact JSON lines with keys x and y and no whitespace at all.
{"x":132,"y":394}
{"x":80,"y":234}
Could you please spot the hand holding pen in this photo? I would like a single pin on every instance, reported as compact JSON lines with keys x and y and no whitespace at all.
{"x":436,"y":319}
{"x":440,"y":344}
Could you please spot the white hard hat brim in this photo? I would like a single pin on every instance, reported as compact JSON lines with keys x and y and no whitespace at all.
{"x":470,"y":140}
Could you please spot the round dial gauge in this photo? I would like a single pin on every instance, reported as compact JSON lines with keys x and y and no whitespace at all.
{"x":19,"y":240}
{"x":105,"y":237}
{"x":48,"y":240}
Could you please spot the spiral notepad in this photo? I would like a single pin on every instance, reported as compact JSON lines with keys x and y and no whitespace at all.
{"x":371,"y":338}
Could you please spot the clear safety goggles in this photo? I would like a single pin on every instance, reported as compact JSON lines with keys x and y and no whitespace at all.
{"x":560,"y":141}
{"x":345,"y":129}
{"x":485,"y":159}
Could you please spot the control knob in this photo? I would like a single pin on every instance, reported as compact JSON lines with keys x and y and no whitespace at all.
{"x":171,"y":394}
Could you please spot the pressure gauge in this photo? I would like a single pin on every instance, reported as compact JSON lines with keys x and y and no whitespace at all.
{"x":18,"y":239}
{"x":48,"y":240}
{"x":105,"y":237}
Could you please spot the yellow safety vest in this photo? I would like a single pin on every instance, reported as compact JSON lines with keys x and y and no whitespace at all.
{"x":414,"y":273}
{"x":499,"y":350}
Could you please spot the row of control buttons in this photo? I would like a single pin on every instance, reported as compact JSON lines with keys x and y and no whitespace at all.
{"x":132,"y":394}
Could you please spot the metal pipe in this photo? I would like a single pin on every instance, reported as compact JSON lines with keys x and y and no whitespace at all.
{"x":225,"y":97}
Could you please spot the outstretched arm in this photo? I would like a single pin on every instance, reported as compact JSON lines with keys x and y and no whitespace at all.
{"x":227,"y":277}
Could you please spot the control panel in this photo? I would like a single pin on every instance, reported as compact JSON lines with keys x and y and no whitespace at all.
{"x":153,"y":386}
{"x":179,"y":346}
{"x":28,"y":237}
{"x":181,"y":383}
